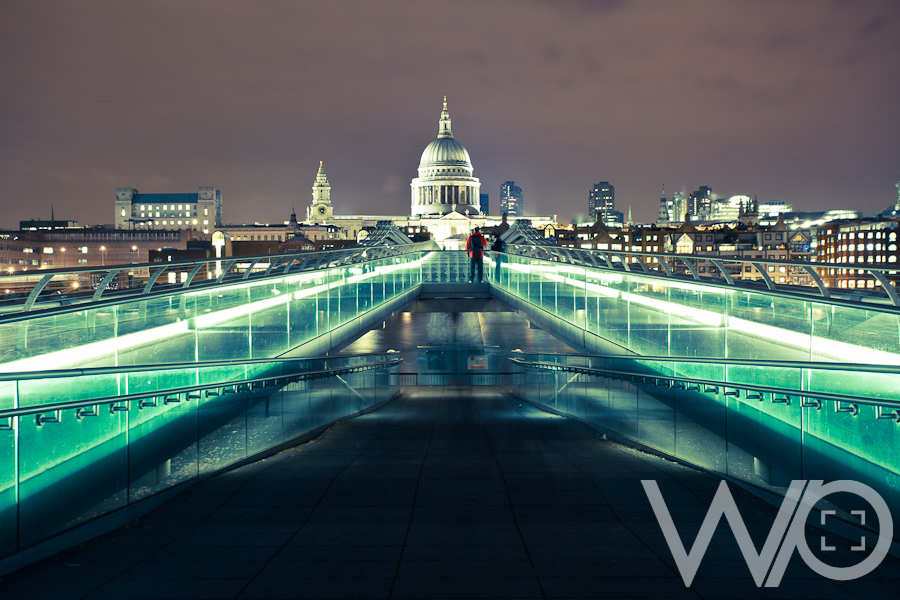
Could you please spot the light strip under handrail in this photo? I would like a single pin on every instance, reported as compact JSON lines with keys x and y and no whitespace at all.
{"x":815,"y":398}
{"x":187,"y":390}
{"x":88,"y":371}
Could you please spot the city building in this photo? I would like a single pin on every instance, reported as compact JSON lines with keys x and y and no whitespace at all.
{"x":87,"y":247}
{"x":36,"y":225}
{"x":201,"y":211}
{"x":873,"y":241}
{"x":511,"y":199}
{"x":700,"y":203}
{"x":485,"y":204}
{"x":602,"y":199}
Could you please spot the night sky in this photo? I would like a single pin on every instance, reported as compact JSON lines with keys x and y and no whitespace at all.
{"x":787,"y":100}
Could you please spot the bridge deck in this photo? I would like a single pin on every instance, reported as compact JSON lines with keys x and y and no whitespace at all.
{"x":442,"y":493}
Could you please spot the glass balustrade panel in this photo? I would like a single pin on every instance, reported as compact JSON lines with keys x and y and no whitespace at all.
{"x":69,"y":471}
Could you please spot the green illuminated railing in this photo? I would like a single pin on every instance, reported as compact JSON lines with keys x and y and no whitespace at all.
{"x":125,"y":434}
{"x":262,"y":316}
{"x":264,"y":307}
{"x":761,"y":422}
{"x":653,"y":314}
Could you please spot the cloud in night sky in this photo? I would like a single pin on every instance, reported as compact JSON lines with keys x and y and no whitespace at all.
{"x":790,"y":100}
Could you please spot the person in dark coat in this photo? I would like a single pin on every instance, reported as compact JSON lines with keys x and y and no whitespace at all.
{"x":475,"y":247}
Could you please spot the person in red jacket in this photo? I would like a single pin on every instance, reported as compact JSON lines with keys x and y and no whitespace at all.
{"x":475,"y":247}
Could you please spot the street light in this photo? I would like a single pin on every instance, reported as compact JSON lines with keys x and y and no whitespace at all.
{"x":102,"y":255}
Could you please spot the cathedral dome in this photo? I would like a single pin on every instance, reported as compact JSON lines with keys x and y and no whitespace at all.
{"x":445,"y":151}
{"x":445,"y":155}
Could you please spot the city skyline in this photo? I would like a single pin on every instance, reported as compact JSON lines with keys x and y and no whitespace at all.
{"x":794,"y":101}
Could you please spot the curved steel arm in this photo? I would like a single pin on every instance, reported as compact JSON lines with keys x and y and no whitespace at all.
{"x":886,"y":285}
{"x":722,"y":269}
{"x":106,"y":281}
{"x":36,"y":291}
{"x":691,"y":267}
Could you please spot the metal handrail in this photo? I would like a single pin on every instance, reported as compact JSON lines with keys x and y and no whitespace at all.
{"x":167,"y":395}
{"x":750,"y":362}
{"x":815,"y":399}
{"x":232,"y":269}
{"x":615,"y":261}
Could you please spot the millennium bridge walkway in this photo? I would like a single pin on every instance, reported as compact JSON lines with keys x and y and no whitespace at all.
{"x":365,"y":424}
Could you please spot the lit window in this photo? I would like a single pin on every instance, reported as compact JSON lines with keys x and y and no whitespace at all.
{"x":48,"y":250}
{"x":83,"y":250}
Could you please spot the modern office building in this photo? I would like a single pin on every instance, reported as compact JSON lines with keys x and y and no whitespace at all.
{"x":602,"y":199}
{"x":511,"y":199}
{"x":602,"y":204}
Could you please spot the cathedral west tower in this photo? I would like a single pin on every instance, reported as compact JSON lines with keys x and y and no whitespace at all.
{"x":321,"y":209}
{"x":445,"y":182}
